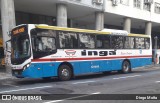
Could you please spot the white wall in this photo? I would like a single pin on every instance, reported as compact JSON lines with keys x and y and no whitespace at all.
{"x":155,"y":17}
{"x":88,"y":3}
{"x":129,"y":10}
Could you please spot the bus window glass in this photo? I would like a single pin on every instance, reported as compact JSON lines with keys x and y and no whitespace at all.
{"x":103,"y":42}
{"x":45,"y":43}
{"x":147,"y":43}
{"x":68,"y":40}
{"x":20,"y":47}
{"x":129,"y":42}
{"x":117,"y":42}
{"x":140,"y":43}
{"x":87,"y":41}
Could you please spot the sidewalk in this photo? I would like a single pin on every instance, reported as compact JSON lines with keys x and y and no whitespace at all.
{"x":4,"y":75}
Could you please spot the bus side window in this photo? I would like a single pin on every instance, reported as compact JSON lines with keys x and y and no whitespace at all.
{"x":103,"y":41}
{"x":129,"y":43}
{"x":147,"y":43}
{"x":117,"y":42}
{"x":99,"y":44}
{"x":68,"y":40}
{"x":140,"y":43}
{"x":87,"y":41}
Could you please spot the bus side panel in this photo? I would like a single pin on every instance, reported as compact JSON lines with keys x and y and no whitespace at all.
{"x":48,"y":69}
{"x":147,"y":61}
{"x":76,"y":68}
{"x":95,"y":66}
{"x":34,"y":71}
{"x":117,"y":64}
{"x":111,"y":65}
{"x":106,"y":65}
{"x":84,"y":67}
{"x":138,"y":62}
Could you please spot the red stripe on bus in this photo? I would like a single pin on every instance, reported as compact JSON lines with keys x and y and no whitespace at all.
{"x":91,"y":58}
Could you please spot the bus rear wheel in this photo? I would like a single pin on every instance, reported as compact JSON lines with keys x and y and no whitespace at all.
{"x":64,"y":73}
{"x":126,"y":67}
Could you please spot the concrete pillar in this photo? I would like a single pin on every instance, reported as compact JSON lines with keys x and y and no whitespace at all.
{"x":99,"y":20}
{"x":8,"y":21}
{"x":71,"y":23}
{"x":61,"y":15}
{"x":127,"y":24}
{"x":148,"y":28}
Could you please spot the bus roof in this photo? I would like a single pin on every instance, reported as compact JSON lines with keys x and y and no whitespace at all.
{"x":71,"y":29}
{"x":138,"y":35}
{"x":104,"y":31}
{"x":116,"y":32}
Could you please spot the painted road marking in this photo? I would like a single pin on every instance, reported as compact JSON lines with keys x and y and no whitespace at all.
{"x":83,"y":82}
{"x":127,"y":77}
{"x":25,"y":89}
{"x":96,"y":93}
{"x":55,"y":101}
{"x":106,"y":79}
{"x":157,"y":81}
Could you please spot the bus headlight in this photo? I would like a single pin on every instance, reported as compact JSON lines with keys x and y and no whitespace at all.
{"x":26,"y":66}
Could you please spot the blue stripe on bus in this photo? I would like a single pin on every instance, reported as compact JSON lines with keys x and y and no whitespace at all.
{"x":38,"y":70}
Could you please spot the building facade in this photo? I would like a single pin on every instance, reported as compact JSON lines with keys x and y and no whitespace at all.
{"x":135,"y":16}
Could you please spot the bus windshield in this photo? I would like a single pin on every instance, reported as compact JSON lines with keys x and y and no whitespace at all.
{"x":20,"y":48}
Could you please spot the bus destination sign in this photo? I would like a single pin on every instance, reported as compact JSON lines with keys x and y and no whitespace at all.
{"x":18,"y":30}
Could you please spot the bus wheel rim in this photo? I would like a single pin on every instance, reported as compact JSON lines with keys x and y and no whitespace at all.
{"x":65,"y":73}
{"x":126,"y":67}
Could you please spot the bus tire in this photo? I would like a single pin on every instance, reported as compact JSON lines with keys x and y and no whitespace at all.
{"x":64,"y":73}
{"x":126,"y":67}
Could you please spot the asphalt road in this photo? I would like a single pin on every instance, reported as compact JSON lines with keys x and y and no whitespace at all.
{"x":140,"y":81}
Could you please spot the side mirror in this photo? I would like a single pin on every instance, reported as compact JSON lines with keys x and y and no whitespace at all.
{"x":8,"y":46}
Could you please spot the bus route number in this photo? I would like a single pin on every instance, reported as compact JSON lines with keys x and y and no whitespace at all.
{"x":17,"y":31}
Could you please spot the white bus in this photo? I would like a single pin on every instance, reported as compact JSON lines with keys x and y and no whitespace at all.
{"x":42,"y":51}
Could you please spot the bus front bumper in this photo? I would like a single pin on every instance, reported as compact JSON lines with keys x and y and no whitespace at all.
{"x":17,"y":73}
